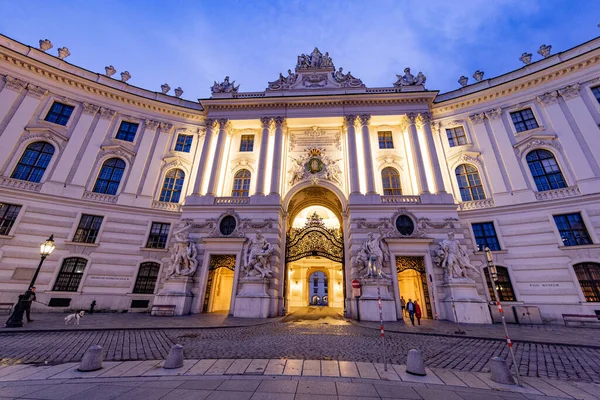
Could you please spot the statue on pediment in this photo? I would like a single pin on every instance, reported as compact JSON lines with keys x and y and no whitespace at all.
{"x":409,"y":79}
{"x":284,"y":82}
{"x":224,"y":87}
{"x":346,"y":80}
{"x":316,"y":58}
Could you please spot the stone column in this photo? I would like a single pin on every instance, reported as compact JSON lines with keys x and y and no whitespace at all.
{"x":368,"y":154}
{"x":265,"y":122}
{"x":417,"y":156}
{"x":352,"y":154}
{"x":210,"y":125}
{"x":424,"y":120}
{"x":277,"y":155}
{"x":215,"y":171}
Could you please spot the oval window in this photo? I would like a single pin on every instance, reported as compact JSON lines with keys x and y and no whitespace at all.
{"x":405,"y":225}
{"x":227,"y":225}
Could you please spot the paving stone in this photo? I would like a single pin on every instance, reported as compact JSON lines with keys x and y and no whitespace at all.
{"x":315,"y":397}
{"x":396,"y":392}
{"x":52,"y":371}
{"x":367,"y":370}
{"x":437,"y":394}
{"x":61,"y":391}
{"x":147,"y":393}
{"x":356,"y":389}
{"x":447,"y":377}
{"x":23,"y":390}
{"x":201,"y":367}
{"x":219,"y":367}
{"x":471,"y":380}
{"x":318,"y":387}
{"x":330,"y":368}
{"x":141,"y":368}
{"x":311,"y":368}
{"x":429,"y":377}
{"x":239,"y":385}
{"x":10,"y":369}
{"x":569,"y":389}
{"x":293,"y":367}
{"x":158,"y":369}
{"x":119,"y":369}
{"x":275,"y":367}
{"x":72,"y":373}
{"x":257,"y":367}
{"x":349,"y":369}
{"x":187,"y":394}
{"x":277,"y":386}
{"x":105,"y":392}
{"x":24,"y":373}
{"x":272,"y":396}
{"x":238,"y":367}
{"x":389,"y":375}
{"x":229,"y":396}
{"x":203,"y":384}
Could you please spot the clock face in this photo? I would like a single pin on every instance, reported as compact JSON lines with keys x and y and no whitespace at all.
{"x":314,"y":165}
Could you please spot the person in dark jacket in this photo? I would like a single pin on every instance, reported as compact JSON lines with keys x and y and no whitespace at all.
{"x":410,"y":307}
{"x":29,"y":298}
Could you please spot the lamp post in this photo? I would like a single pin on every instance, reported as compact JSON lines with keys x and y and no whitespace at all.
{"x":16,"y":318}
{"x":493,"y":273}
{"x":373,"y":260}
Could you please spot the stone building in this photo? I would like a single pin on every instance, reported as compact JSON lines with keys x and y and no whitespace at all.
{"x":234,"y":202}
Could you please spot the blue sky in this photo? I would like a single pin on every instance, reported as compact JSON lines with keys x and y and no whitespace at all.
{"x":192,"y":43}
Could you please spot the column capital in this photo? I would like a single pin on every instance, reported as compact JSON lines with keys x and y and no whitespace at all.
{"x":423,"y":118}
{"x":15,"y":84}
{"x":350,"y":120}
{"x":150,"y":124}
{"x":568,"y":92}
{"x":210,"y":123}
{"x":265,"y":122}
{"x":279,"y":122}
{"x":476,"y":119}
{"x":549,"y":98}
{"x":407,"y":120}
{"x":90,"y":109}
{"x":494,"y":113}
{"x":364,"y":119}
{"x":107,"y":113}
{"x":222,"y":123}
{"x":165,"y":127}
{"x":36,"y":91}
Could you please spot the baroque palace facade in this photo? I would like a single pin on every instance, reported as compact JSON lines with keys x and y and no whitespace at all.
{"x":260,"y":203}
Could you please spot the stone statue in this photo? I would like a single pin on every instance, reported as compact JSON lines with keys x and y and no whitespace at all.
{"x":420,"y":79}
{"x":454,"y":260}
{"x":331,"y":170}
{"x":257,"y":259}
{"x":315,"y":58}
{"x":327,"y":61}
{"x":297,"y":171}
{"x":409,"y":79}
{"x":224,"y":87}
{"x":373,"y":246}
{"x":284,"y":82}
{"x":183,"y":254}
{"x":291,"y":78}
{"x":339,"y":75}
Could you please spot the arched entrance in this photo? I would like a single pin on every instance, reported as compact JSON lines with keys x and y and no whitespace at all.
{"x":314,"y":251}
{"x":412,"y":282}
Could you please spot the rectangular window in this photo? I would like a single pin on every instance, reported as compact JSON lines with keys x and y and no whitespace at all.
{"x":485,"y":236}
{"x":8,"y":215}
{"x":385,"y":140}
{"x":596,"y":92}
{"x":456,"y":136}
{"x":146,"y":279}
{"x":247,"y":143}
{"x":159,"y":232}
{"x":524,"y":120}
{"x":70,"y":274}
{"x":127,"y":131}
{"x":572,"y":229}
{"x":184,"y":143}
{"x":59,"y":113}
{"x":88,"y":229}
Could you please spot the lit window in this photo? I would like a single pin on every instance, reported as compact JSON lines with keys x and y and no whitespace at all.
{"x":386,"y":140}
{"x":485,"y":236}
{"x":159,"y":232}
{"x":596,"y":92}
{"x":588,"y":275}
{"x":184,"y":143}
{"x":127,"y":131}
{"x":70,"y":274}
{"x":390,"y":178}
{"x":33,"y":162}
{"x":503,"y":285}
{"x":146,"y":279}
{"x":172,"y":186}
{"x":88,"y":229}
{"x":59,"y":113}
{"x":8,"y":216}
{"x":572,"y":229}
{"x":524,"y":120}
{"x":456,"y":136}
{"x":545,"y":170}
{"x":241,"y":184}
{"x":247,"y":143}
{"x":469,"y":183}
{"x":110,"y":176}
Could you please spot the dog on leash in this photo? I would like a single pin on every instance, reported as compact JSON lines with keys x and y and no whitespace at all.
{"x":76,"y":316}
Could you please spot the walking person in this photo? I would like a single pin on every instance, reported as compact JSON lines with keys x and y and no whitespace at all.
{"x":403,"y":306}
{"x":410,"y":307}
{"x":417,"y":311}
{"x":30,"y":298}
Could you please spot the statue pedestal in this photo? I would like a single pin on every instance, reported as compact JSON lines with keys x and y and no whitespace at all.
{"x":176,"y":292}
{"x":470,"y":307}
{"x":252,"y":301}
{"x":367,"y":303}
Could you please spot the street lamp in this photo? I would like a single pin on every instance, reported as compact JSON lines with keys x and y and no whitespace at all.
{"x":16,"y":318}
{"x":493,"y":272}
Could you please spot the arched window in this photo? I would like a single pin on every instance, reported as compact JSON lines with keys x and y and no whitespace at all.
{"x":171,"y":190}
{"x":146,"y":278}
{"x":503,"y":285}
{"x":241,"y":183}
{"x":588,"y":275}
{"x":390,"y":178}
{"x":110,"y":176}
{"x":70,"y":274}
{"x":545,"y":170}
{"x":469,"y":183}
{"x":33,"y":162}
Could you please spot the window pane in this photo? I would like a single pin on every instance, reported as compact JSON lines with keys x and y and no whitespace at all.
{"x":469,"y":183}
{"x":523,"y":120}
{"x":33,"y":162}
{"x":59,"y":113}
{"x":485,"y":236}
{"x":572,"y":229}
{"x":390,"y":179}
{"x":70,"y":275}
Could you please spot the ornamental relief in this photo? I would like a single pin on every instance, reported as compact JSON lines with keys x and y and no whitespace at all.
{"x":314,"y":165}
{"x":533,"y":142}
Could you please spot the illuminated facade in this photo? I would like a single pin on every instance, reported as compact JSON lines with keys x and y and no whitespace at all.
{"x":236,"y":202}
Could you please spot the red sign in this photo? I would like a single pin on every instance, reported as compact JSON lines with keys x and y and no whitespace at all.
{"x":355,"y":284}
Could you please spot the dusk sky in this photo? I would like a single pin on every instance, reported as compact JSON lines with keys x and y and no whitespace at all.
{"x":192,"y":43}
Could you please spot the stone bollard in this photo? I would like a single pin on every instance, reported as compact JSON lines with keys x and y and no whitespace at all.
{"x":175,"y":357}
{"x":414,"y":364}
{"x":92,"y":359}
{"x":501,"y":372}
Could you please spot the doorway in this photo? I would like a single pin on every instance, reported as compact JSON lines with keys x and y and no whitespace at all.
{"x":412,"y":282}
{"x":318,"y":289}
{"x":219,"y":285}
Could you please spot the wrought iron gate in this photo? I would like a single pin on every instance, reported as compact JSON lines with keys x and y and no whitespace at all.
{"x":314,"y":239}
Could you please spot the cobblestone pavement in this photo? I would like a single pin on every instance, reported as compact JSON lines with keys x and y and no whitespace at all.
{"x":302,"y":340}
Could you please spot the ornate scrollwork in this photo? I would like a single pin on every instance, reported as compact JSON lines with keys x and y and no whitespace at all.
{"x":410,"y":262}
{"x":425,"y":223}
{"x":221,"y":261}
{"x":267,"y":223}
{"x":314,"y":239}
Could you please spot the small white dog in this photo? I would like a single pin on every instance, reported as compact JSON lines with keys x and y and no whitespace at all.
{"x":75,"y":316}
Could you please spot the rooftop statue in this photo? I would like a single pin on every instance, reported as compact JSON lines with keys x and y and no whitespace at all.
{"x":284,"y":82}
{"x":347,"y":80}
{"x":409,"y":79}
{"x":314,"y":60}
{"x":224,"y":87}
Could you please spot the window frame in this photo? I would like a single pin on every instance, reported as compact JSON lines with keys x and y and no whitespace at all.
{"x":390,"y":191}
{"x":155,"y":242}
{"x":469,"y":187}
{"x":34,"y":167}
{"x":596,"y":92}
{"x":452,"y":137}
{"x":88,"y":232}
{"x":546,"y":174}
{"x":110,"y":179}
{"x":73,"y":275}
{"x":242,"y":190}
{"x":142,"y":288}
{"x":502,"y":271}
{"x":523,"y":121}
{"x":60,"y":114}
{"x":249,"y":144}
{"x":135,"y":134}
{"x":6,"y":228}
{"x":594,"y":283}
{"x":185,"y":146}
{"x":565,"y":241}
{"x":172,"y":192}
{"x":485,"y":237}
{"x":382,"y":138}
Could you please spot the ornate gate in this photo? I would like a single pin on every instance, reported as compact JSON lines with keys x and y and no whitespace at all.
{"x":418,"y":264}
{"x":314,"y":239}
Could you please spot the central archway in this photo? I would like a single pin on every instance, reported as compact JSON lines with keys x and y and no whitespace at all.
{"x":314,"y":242}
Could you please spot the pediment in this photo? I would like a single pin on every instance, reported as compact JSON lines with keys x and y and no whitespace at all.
{"x":537,"y":140}
{"x":118,"y":149}
{"x":40,"y":130}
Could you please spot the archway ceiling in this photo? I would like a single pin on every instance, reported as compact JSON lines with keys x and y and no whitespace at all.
{"x":314,"y":196}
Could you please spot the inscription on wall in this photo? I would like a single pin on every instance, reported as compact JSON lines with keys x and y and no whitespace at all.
{"x":315,"y":137}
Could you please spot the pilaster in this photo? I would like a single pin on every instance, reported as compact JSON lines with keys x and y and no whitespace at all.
{"x":265,"y":123}
{"x":350,"y":121}
{"x":425,"y":121}
{"x":277,"y":155}
{"x":215,"y":171}
{"x":143,"y":153}
{"x":364,"y":120}
{"x":409,"y":122}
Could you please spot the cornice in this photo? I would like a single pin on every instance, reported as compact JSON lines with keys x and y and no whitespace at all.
{"x":96,"y":88}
